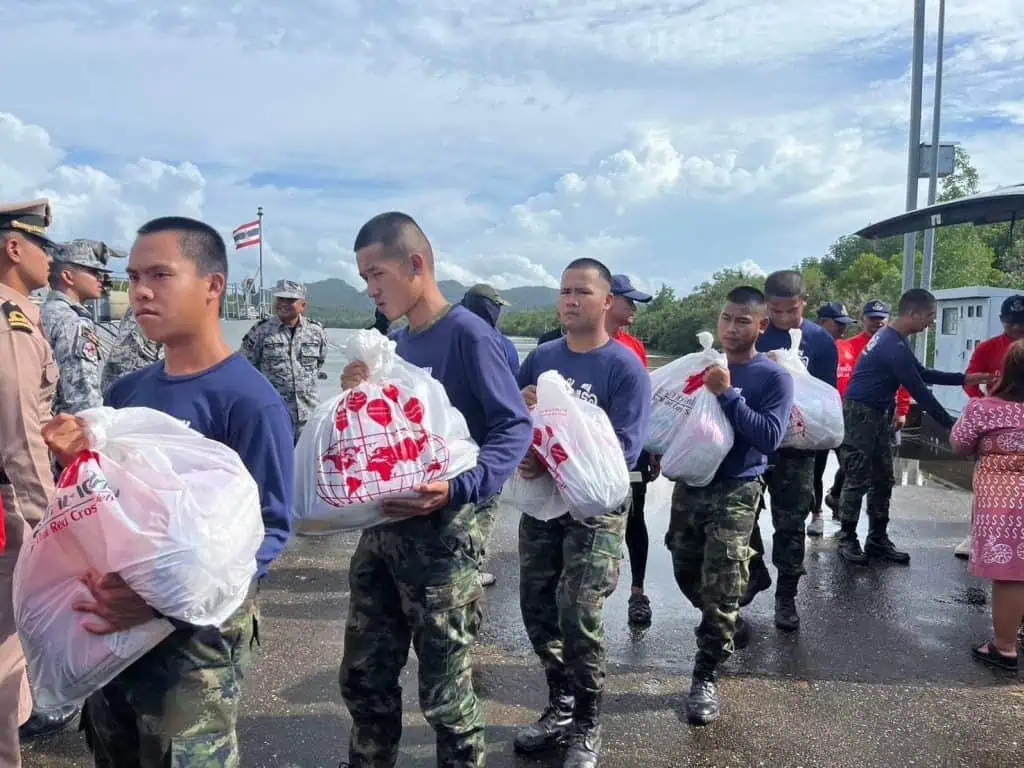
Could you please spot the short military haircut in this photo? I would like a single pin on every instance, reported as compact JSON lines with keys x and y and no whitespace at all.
{"x":915,"y":300}
{"x":588,"y":263}
{"x":396,"y":233}
{"x":200,"y":243}
{"x":784,"y":284}
{"x":56,"y":278}
{"x":747,"y":296}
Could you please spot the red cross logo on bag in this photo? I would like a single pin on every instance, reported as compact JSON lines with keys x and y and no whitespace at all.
{"x":381,"y":448}
{"x":694,"y":383}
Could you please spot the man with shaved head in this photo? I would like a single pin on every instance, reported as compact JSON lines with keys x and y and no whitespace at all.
{"x":417,"y":580}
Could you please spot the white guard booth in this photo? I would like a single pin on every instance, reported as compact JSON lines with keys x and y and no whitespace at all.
{"x":966,"y":317}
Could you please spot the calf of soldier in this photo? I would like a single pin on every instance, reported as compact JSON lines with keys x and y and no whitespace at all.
{"x":710,"y":527}
{"x":417,"y":581}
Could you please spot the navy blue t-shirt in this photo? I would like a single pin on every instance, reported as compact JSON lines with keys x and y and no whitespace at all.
{"x":511,"y":353}
{"x":612,"y":377}
{"x":757,"y":405}
{"x":888,"y":363}
{"x":233,"y":404}
{"x":463,"y":352}
{"x":817,"y":348}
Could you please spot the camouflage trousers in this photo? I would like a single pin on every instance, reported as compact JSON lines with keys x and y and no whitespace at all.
{"x":790,"y":483}
{"x":708,"y":535}
{"x":867,"y":461}
{"x":177,"y":706}
{"x":415,"y":582}
{"x":567,"y":569}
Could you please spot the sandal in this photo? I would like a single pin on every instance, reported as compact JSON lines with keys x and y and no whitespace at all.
{"x":987,"y":653}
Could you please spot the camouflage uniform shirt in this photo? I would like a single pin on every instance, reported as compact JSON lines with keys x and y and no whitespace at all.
{"x":76,"y":348}
{"x":130,"y":352}
{"x":290,"y":358}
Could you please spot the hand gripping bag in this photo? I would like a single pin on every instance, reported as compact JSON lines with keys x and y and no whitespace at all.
{"x":378,"y":441}
{"x":539,"y":497}
{"x":577,"y":443}
{"x":178,"y":516}
{"x":672,"y":390}
{"x":702,"y":440}
{"x":816,"y":421}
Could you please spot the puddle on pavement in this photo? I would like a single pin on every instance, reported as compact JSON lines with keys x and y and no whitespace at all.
{"x":965,"y":596}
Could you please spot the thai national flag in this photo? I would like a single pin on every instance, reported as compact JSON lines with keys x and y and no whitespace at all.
{"x":246,"y":235}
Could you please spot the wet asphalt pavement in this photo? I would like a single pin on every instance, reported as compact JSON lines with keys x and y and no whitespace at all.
{"x":878,"y":675}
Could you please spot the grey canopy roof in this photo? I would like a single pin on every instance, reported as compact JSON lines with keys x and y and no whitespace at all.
{"x":993,"y":207}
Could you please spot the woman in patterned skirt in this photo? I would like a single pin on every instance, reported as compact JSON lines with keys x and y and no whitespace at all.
{"x":992,"y":428}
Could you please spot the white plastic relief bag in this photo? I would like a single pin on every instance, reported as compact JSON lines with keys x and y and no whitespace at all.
{"x":688,"y":427}
{"x":537,"y":497}
{"x":673,"y":387}
{"x":178,"y":516}
{"x":577,"y":443}
{"x":816,"y":421}
{"x":378,"y":441}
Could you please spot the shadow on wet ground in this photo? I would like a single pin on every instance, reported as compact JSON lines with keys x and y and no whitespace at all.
{"x":878,"y":675}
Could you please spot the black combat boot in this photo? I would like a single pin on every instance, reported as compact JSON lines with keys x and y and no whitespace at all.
{"x":786,"y":617}
{"x":41,"y":724}
{"x":849,"y":546}
{"x":555,"y":721}
{"x":879,"y":544}
{"x":702,"y":703}
{"x":585,"y":737}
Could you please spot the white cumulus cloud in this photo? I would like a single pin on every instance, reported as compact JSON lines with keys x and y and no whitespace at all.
{"x":667,"y":139}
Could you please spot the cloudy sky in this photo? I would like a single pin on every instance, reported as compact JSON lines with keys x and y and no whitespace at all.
{"x":667,"y":137}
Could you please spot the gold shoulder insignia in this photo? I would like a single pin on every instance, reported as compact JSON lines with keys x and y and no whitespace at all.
{"x":16,"y":319}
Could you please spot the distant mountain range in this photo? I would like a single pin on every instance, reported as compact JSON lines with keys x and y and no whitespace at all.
{"x":333,"y":295}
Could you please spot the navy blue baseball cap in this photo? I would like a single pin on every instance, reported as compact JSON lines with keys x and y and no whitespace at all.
{"x":1012,"y":310}
{"x":876,"y":308}
{"x":835,"y":311}
{"x":621,"y":286}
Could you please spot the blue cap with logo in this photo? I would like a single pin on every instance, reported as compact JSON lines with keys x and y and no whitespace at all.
{"x":621,"y":286}
{"x":876,"y":308}
{"x":835,"y":311}
{"x":1012,"y":310}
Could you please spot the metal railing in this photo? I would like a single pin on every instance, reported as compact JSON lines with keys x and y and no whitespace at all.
{"x":240,"y":302}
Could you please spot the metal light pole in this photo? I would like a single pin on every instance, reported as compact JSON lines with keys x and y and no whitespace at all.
{"x":259,"y":217}
{"x":914,"y":148}
{"x":933,"y":177}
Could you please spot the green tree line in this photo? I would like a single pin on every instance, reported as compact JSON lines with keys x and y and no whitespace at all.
{"x":852,"y":271}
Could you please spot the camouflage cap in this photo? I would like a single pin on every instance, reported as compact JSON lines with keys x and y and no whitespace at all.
{"x":30,"y":218}
{"x":91,"y":254}
{"x":487,"y":292}
{"x":288,"y":289}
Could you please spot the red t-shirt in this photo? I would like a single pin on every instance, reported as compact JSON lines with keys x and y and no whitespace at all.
{"x":988,"y":357}
{"x":850,"y":351}
{"x":633,"y":343}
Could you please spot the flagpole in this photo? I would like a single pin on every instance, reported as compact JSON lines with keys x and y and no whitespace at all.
{"x":259,"y":216}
